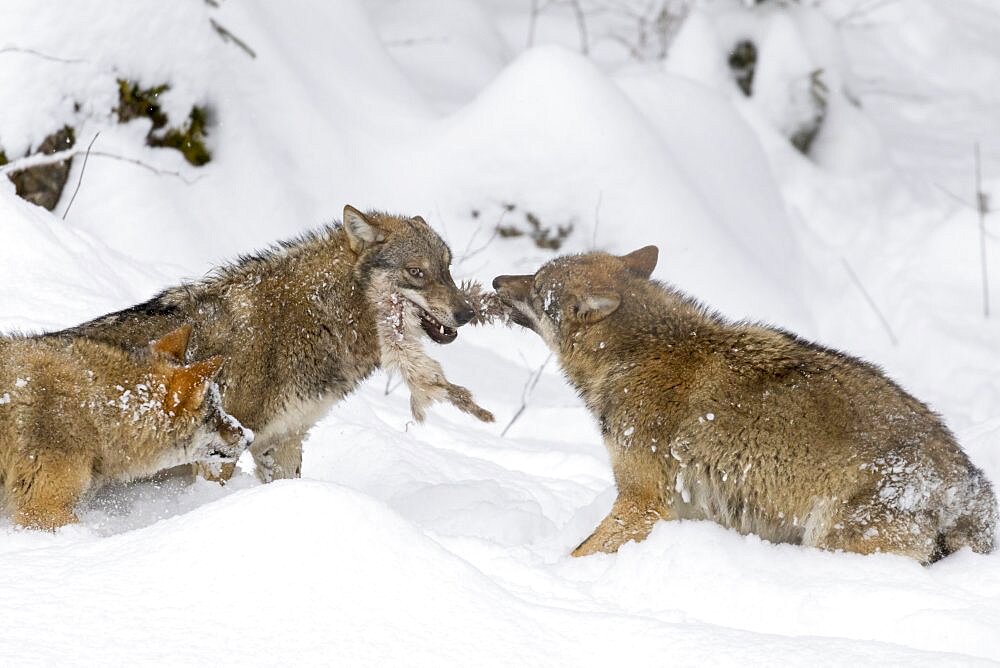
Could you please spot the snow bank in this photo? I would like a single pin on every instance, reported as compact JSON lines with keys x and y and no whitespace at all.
{"x":332,"y":575}
{"x":52,"y":275}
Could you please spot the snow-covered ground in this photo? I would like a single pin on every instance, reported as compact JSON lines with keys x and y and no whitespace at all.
{"x":445,"y":543}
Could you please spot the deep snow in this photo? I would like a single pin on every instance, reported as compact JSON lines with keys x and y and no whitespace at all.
{"x":443,"y":542}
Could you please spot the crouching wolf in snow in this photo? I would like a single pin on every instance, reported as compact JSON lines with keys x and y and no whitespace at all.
{"x":746,"y":425}
{"x":304,"y":323}
{"x":76,"y":413}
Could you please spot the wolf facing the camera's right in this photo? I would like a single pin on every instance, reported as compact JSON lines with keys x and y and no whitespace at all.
{"x":747,"y":425}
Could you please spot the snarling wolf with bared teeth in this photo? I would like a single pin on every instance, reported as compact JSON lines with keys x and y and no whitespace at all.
{"x":75,"y":413}
{"x":304,"y":323}
{"x":746,"y":425}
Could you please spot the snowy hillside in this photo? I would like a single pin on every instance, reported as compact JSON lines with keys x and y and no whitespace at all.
{"x":447,"y":543}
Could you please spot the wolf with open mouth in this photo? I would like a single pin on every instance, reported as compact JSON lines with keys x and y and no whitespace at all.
{"x":304,"y":322}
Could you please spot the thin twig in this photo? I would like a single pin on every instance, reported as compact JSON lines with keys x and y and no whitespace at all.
{"x":581,"y":26}
{"x":414,"y":41}
{"x":39,"y":54}
{"x":597,"y":219}
{"x":871,"y":302}
{"x":529,"y":387}
{"x":83,"y":168}
{"x":861,"y":10}
{"x":536,"y":9}
{"x":954,"y":196}
{"x":227,"y":36}
{"x":470,"y":252}
{"x":61,"y":156}
{"x":389,"y":387}
{"x":983,"y":207}
{"x":147,"y":166}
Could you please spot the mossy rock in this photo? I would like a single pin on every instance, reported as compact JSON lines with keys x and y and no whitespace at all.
{"x":743,"y":64}
{"x":134,"y":101}
{"x":189,"y":139}
{"x":43,"y":184}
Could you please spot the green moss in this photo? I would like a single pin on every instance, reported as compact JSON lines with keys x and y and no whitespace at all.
{"x":3,"y":158}
{"x":189,"y":139}
{"x":137,"y":102}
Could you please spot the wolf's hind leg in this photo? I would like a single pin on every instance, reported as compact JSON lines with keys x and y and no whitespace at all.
{"x":44,"y":490}
{"x":278,"y":457}
{"x":631,"y":518}
{"x":866,"y":526}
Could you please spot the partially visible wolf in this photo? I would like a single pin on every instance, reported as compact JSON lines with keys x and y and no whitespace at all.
{"x":747,"y":425}
{"x":76,"y":413}
{"x":302,"y":324}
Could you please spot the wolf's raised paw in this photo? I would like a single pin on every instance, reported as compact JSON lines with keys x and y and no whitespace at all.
{"x":462,"y":399}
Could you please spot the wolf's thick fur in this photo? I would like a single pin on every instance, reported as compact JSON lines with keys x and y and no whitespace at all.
{"x":300,"y":323}
{"x":75,"y":412}
{"x":747,"y":425}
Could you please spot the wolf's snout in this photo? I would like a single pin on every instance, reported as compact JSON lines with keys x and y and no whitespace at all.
{"x":498,"y":282}
{"x":463,"y":314}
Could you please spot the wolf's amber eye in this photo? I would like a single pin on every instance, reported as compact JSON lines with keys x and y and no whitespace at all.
{"x":416,"y":272}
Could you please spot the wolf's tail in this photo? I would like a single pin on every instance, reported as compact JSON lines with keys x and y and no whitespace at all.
{"x":976,"y":527}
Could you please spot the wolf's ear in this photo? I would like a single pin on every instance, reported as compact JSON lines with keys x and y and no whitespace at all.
{"x":173,"y":345}
{"x":361,"y":230}
{"x":189,"y":384}
{"x":642,"y":262}
{"x":597,"y":306}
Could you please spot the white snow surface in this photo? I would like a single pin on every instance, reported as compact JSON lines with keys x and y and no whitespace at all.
{"x":445,"y":543}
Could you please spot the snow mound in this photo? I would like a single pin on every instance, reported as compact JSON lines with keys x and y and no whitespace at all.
{"x":303,"y":571}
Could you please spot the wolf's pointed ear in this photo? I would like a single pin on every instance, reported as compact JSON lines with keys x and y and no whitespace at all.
{"x":597,"y":306}
{"x":642,"y":262}
{"x":361,"y":230}
{"x":189,"y":384}
{"x":173,"y":345}
{"x":208,"y":369}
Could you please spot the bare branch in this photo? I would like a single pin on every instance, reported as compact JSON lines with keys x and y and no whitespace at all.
{"x":470,"y":252}
{"x":597,"y":220}
{"x":983,"y":207}
{"x":581,"y":25}
{"x":389,"y":386}
{"x":227,"y":36}
{"x":79,"y":181}
{"x":871,"y":302}
{"x":39,"y":54}
{"x":861,"y":10}
{"x":60,"y":156}
{"x":414,"y":41}
{"x":529,"y":387}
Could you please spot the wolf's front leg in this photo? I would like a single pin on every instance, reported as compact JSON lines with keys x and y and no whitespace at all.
{"x":631,"y":518}
{"x":278,"y":457}
{"x":44,"y":488}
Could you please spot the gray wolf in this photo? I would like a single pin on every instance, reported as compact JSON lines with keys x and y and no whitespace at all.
{"x":303,"y":323}
{"x":746,"y":425}
{"x":75,"y":413}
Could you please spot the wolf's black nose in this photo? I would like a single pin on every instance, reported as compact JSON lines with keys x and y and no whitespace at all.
{"x":464,"y":315}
